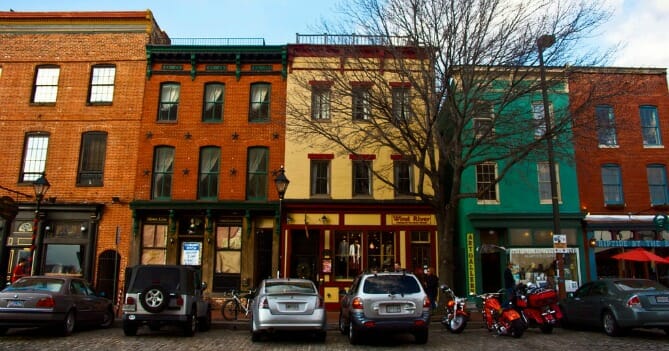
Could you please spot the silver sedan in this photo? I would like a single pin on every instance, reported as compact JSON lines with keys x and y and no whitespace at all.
{"x":288,"y":304}
{"x":59,"y":301}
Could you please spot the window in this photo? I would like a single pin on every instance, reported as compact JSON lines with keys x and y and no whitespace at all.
{"x":401,"y":104}
{"x":483,"y":128}
{"x":612,"y":185}
{"x":657,"y":184}
{"x":259,"y":105}
{"x":102,"y":84}
{"x":154,"y":244}
{"x":212,"y":111}
{"x":169,"y":102}
{"x":64,"y":259}
{"x":361,"y":104}
{"x":256,"y":179}
{"x":348,"y":257}
{"x":210,"y":165}
{"x":539,"y":119}
{"x":320,"y":102}
{"x":362,"y":177}
{"x":46,"y":85}
{"x":544,"y":179}
{"x":650,"y":126}
{"x":228,"y":255}
{"x":92,"y":159}
{"x":163,"y":169}
{"x":34,"y":157}
{"x":486,"y":173}
{"x":606,"y":126}
{"x":380,"y":251}
{"x":402,"y":174}
{"x":320,"y":177}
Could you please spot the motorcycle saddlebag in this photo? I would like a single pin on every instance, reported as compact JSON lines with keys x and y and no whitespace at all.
{"x":542,"y":298}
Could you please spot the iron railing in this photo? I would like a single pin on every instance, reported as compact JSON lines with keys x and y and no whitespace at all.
{"x":212,"y":42}
{"x":352,"y":39}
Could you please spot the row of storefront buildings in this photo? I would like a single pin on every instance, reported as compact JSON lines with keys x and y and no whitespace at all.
{"x":167,"y":151}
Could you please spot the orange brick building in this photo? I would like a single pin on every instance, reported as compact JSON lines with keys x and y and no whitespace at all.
{"x":211,"y":136}
{"x":622,"y":126}
{"x":72,"y":86}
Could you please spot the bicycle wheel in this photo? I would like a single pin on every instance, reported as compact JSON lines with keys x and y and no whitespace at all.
{"x":229,"y":310}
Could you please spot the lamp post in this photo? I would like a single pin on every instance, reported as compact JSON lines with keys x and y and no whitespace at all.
{"x":41,"y":186}
{"x":544,"y":42}
{"x":281,"y":184}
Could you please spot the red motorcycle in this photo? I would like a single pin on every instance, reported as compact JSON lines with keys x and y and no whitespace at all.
{"x":455,"y":315}
{"x":538,"y":306}
{"x":502,"y":320}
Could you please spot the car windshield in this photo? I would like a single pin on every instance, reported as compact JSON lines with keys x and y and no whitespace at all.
{"x":289,"y":287}
{"x":391,"y":284}
{"x":631,"y":285}
{"x":44,"y":284}
{"x":166,"y":277}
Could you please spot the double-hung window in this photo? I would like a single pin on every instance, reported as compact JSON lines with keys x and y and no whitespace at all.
{"x":544,"y":181}
{"x":320,"y":177}
{"x":257,"y":174}
{"x":163,"y":170}
{"x":259,"y":102}
{"x":361,"y":103}
{"x":657,"y":185}
{"x":210,"y":164}
{"x":34,"y":156}
{"x":362,"y":177}
{"x":612,"y":185}
{"x":169,"y":102}
{"x":92,"y":159}
{"x":402,"y":175}
{"x":539,"y":119}
{"x":606,"y":126}
{"x":401,"y":104}
{"x":46,"y":85}
{"x":212,"y":111}
{"x":650,"y":126}
{"x":486,"y":187}
{"x":320,"y":102}
{"x":102,"y":84}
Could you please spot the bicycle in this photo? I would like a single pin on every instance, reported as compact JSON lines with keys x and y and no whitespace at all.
{"x":236,"y":304}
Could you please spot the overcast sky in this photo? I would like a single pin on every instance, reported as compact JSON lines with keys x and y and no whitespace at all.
{"x":640,"y":25}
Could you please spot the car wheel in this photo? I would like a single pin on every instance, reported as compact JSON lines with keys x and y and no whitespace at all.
{"x":354,"y":336}
{"x":610,"y":324}
{"x":154,"y":299}
{"x":205,"y":322}
{"x":190,"y":326}
{"x":129,"y":328}
{"x":107,"y":318}
{"x":420,"y":337}
{"x":342,"y":326}
{"x":68,"y":324}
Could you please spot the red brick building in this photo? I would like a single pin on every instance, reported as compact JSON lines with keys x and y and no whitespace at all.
{"x":211,"y":136}
{"x":72,"y":86}
{"x":621,"y":132}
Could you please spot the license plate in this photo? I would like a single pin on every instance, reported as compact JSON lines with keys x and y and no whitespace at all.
{"x":291,"y":307}
{"x":14,"y":303}
{"x":662,"y":299}
{"x":393,"y":308}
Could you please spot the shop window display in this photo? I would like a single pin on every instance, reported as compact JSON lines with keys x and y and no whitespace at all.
{"x":357,"y":252}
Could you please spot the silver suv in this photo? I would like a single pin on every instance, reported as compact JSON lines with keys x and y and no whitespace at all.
{"x":158,"y":295}
{"x":384,"y":302}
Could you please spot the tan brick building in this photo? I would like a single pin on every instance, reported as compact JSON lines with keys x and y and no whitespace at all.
{"x":72,"y":86}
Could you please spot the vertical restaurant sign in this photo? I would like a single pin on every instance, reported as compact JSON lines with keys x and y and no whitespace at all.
{"x":471,"y":264}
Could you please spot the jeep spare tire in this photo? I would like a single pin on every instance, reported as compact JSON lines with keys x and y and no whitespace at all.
{"x":154,"y":299}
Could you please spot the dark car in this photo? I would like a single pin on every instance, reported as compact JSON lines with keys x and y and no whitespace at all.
{"x":388,"y":302}
{"x":159,"y":295}
{"x":618,"y":304}
{"x":288,"y":304}
{"x":62,"y":302}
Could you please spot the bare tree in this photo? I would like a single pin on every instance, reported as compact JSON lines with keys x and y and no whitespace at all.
{"x":463,"y":59}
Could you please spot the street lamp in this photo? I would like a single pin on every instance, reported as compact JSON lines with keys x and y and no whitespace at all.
{"x":544,"y":42}
{"x":281,"y":184}
{"x":41,"y":186}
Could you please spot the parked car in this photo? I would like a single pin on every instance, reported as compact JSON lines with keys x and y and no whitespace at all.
{"x":618,"y":304}
{"x":62,"y":302}
{"x":384,"y":302}
{"x":288,"y":304}
{"x":158,"y":295}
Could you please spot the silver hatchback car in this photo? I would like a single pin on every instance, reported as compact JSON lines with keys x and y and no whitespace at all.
{"x":288,"y":304}
{"x":385,"y":302}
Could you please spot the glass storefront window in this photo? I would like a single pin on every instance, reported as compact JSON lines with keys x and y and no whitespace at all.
{"x":537,"y":266}
{"x":64,"y":259}
{"x":381,"y":251}
{"x":348,"y":257}
{"x":154,"y":244}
